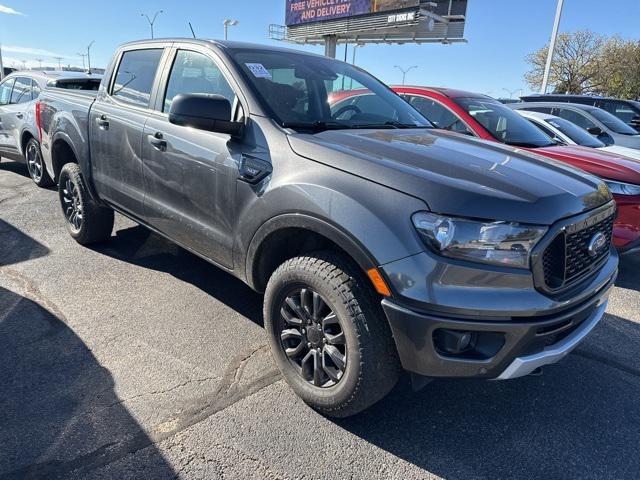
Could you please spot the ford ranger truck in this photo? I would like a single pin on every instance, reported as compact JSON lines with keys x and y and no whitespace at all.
{"x":380,"y":243}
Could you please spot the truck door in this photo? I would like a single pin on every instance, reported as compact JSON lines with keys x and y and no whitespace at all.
{"x":190,"y":175}
{"x":116,"y":123}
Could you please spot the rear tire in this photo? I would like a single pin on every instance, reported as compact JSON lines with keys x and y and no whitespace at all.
{"x":370,"y":368}
{"x":87,"y":222}
{"x":35,"y":164}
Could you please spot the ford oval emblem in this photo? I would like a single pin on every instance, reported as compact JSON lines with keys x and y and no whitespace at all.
{"x":596,"y":244}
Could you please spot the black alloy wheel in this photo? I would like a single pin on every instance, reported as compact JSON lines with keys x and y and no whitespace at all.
{"x":312,"y":337}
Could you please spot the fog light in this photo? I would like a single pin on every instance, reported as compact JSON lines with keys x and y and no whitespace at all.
{"x":453,"y":342}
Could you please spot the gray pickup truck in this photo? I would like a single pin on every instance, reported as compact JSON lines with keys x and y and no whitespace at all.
{"x":380,"y":243}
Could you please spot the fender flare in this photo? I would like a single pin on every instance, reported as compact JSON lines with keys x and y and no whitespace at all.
{"x":85,"y":168}
{"x":323,"y":227}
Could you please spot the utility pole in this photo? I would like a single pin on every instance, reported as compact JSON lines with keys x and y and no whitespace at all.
{"x":552,"y":47}
{"x":39,"y":60}
{"x":1,"y":65}
{"x":59,"y":59}
{"x":82,"y":55}
{"x":405,"y":71}
{"x":229,"y":23}
{"x":152,"y":20}
{"x":89,"y":54}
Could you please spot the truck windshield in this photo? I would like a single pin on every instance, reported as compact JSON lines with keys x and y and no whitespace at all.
{"x":575,"y":133}
{"x":298,"y":90}
{"x":503,"y":123}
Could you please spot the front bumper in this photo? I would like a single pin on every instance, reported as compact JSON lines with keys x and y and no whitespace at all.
{"x":503,"y":348}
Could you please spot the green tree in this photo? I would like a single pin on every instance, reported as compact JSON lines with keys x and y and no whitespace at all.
{"x":620,"y":69}
{"x":575,"y":65}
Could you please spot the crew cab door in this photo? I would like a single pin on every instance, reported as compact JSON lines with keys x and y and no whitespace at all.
{"x":190,"y":175}
{"x":116,"y":123}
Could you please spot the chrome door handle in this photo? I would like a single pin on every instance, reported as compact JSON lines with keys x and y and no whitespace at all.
{"x":103,"y":122}
{"x":157,"y":141}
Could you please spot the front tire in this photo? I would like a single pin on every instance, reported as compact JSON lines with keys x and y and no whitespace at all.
{"x":328,"y":334}
{"x":35,"y":164}
{"x":87,"y":222}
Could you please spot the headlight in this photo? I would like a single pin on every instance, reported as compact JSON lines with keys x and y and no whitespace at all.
{"x":496,"y":243}
{"x":620,"y":188}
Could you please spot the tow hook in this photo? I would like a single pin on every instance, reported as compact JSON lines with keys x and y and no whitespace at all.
{"x":536,"y":373}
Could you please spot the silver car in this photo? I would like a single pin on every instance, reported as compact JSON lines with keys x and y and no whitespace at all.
{"x":601,"y":124}
{"x":19,"y":136}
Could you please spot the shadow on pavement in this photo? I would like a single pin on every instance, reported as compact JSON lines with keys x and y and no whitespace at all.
{"x":16,"y":167}
{"x":16,"y":246}
{"x":579,"y":420}
{"x":59,"y":414}
{"x":139,"y":246}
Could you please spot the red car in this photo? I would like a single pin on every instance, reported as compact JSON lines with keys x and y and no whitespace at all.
{"x":484,"y":117}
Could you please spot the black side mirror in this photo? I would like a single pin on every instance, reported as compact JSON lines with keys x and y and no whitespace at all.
{"x":595,"y":131}
{"x":204,"y":112}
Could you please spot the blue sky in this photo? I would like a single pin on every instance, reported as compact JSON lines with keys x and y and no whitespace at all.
{"x":500,"y":34}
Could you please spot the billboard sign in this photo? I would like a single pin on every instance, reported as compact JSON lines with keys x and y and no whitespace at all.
{"x":307,"y":11}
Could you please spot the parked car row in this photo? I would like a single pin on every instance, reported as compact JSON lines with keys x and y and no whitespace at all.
{"x":19,"y":93}
{"x":434,"y":232}
{"x":484,"y":117}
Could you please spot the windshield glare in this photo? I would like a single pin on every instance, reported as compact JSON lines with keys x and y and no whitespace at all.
{"x":503,"y":123}
{"x":299,"y":91}
{"x":612,"y":122}
{"x":575,"y":133}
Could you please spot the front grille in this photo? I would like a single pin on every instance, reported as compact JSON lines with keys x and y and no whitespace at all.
{"x":567,"y":259}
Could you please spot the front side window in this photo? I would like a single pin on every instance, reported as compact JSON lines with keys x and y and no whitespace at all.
{"x":438,"y":114}
{"x":303,"y":91}
{"x":5,"y":91}
{"x":503,"y":123}
{"x":135,"y":76}
{"x":194,"y":72}
{"x":21,"y":90}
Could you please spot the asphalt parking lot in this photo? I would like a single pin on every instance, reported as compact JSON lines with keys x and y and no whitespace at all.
{"x":136,"y":359}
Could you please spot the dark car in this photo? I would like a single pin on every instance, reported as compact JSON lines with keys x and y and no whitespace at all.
{"x":379,"y":242}
{"x":19,"y":136}
{"x":626,"y":110}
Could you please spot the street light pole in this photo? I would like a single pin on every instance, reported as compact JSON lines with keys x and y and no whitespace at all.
{"x":229,"y":23}
{"x":405,"y":71}
{"x":152,"y":20}
{"x":89,"y":54}
{"x":552,"y":47}
{"x":1,"y":65}
{"x":59,"y":62}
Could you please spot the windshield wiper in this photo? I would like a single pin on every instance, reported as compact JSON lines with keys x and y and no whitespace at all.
{"x":315,"y":126}
{"x":389,"y":124}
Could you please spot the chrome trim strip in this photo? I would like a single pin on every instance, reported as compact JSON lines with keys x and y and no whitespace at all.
{"x":525,"y":365}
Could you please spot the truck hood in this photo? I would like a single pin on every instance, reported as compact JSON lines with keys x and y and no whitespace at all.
{"x":596,"y":161}
{"x":458,"y":175}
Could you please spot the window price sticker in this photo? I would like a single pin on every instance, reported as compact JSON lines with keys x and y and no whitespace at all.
{"x":258,"y":70}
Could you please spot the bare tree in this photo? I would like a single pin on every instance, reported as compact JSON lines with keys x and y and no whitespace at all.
{"x":575,"y":65}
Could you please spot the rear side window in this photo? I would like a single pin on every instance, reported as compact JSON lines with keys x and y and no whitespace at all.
{"x":135,"y":76}
{"x":79,"y":84}
{"x":21,"y":90}
{"x":5,"y":91}
{"x":624,"y":111}
{"x":35,"y":90}
{"x":575,"y":118}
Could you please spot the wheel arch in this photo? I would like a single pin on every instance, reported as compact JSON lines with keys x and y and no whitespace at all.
{"x":289,"y":235}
